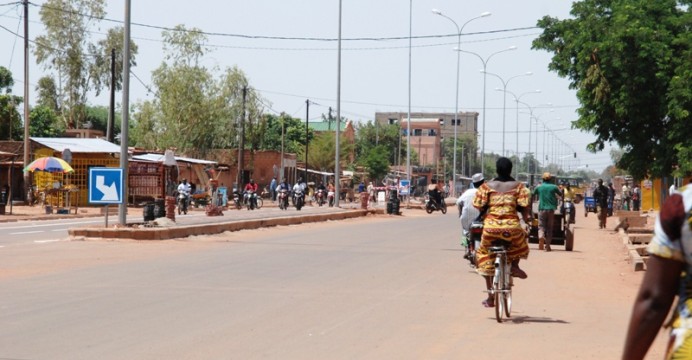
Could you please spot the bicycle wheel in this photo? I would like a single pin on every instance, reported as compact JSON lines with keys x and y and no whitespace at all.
{"x":507,"y":296}
{"x":498,"y":293}
{"x":260,"y":202}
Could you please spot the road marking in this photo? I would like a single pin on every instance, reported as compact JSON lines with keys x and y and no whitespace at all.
{"x":51,"y":224}
{"x":45,"y":241}
{"x":60,"y":230}
{"x":27,"y":232}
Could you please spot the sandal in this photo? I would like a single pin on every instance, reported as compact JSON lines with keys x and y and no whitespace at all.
{"x":518,"y":273}
{"x":488,"y":303}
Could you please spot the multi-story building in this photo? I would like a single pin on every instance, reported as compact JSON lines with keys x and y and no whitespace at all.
{"x":429,"y":129}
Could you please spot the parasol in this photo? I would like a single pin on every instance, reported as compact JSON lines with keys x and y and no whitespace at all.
{"x":49,"y":164}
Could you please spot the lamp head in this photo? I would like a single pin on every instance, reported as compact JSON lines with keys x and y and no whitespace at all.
{"x":486,"y":14}
{"x":512,"y":47}
{"x":436,"y":12}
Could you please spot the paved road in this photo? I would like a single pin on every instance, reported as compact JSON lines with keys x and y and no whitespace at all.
{"x":374,"y":288}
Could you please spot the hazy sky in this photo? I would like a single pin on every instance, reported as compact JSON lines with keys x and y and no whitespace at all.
{"x":288,"y":51}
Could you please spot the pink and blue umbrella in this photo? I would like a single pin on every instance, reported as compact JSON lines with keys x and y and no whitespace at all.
{"x":49,"y":164}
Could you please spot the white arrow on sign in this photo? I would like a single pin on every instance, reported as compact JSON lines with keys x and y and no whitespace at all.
{"x":110,"y":193}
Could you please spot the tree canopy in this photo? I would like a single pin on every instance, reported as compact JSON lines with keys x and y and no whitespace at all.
{"x":629,"y":62}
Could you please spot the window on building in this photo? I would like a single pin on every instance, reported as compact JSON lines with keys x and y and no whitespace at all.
{"x":393,"y":121}
{"x":432,"y":132}
{"x":442,"y":122}
{"x":417,"y":132}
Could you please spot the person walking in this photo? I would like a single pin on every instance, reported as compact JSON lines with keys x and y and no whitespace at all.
{"x":548,"y":195}
{"x":600,"y":194}
{"x":626,"y":197}
{"x":272,"y":188}
{"x":636,"y":197}
{"x":611,"y":199}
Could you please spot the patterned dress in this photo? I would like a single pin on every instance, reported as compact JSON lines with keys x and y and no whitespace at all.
{"x":663,"y":246}
{"x":501,"y":223}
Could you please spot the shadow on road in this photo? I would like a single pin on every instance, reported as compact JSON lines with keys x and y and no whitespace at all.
{"x":529,"y":319}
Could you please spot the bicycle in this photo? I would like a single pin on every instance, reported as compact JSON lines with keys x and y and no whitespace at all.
{"x":502,"y":280}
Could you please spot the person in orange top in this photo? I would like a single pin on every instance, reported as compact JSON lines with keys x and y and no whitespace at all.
{"x":501,"y":201}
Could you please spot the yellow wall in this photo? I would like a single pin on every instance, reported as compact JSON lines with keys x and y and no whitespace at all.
{"x":651,"y":194}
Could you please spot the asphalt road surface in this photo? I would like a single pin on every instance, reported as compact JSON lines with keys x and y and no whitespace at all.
{"x":382,"y":287}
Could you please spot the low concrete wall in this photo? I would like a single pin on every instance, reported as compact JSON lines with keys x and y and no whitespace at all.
{"x":165,"y":233}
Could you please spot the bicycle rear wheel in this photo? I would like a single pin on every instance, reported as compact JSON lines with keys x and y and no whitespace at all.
{"x":507,"y":298}
{"x":498,"y":286}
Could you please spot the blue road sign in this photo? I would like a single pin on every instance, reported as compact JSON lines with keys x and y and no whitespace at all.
{"x":105,"y":186}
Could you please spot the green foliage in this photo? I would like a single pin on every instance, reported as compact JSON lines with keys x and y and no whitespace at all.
{"x":630,"y":64}
{"x":47,"y":93}
{"x":322,"y":151}
{"x":294,"y":133}
{"x":10,"y":120}
{"x":465,"y":151}
{"x":44,"y":122}
{"x":377,"y":162}
{"x":194,"y":112}
{"x":100,"y":68}
{"x":369,"y":135}
{"x":79,"y":65}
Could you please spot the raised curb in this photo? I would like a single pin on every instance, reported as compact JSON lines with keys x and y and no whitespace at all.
{"x":633,"y":250}
{"x":166,"y":233}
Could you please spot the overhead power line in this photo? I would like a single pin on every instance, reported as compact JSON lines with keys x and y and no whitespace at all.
{"x":292,"y":38}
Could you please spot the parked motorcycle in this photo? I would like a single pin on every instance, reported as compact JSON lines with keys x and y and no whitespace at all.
{"x":236,"y":200}
{"x":298,"y":199}
{"x":282,"y":197}
{"x":183,"y":202}
{"x":432,"y":205}
{"x":319,"y":197}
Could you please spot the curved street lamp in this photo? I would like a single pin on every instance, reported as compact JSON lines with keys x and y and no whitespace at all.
{"x":504,"y":100}
{"x":484,"y":70}
{"x":456,"y":98}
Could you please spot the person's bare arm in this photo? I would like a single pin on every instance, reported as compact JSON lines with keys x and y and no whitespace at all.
{"x":652,"y":305}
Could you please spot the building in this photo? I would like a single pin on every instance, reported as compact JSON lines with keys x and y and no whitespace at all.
{"x":429,"y":131}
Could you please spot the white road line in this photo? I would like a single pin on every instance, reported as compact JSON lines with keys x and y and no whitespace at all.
{"x":45,"y":241}
{"x":52,"y":224}
{"x":27,"y":232}
{"x":59,"y":230}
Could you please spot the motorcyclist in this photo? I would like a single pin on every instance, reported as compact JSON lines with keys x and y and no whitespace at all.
{"x":252,"y":187}
{"x":435,"y":193}
{"x":284,"y":186}
{"x":568,"y":197}
{"x":322,"y":188}
{"x":467,"y":212}
{"x":184,"y":189}
{"x":299,"y":186}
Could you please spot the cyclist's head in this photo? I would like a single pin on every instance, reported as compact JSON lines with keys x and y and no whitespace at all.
{"x":503,"y":167}
{"x":184,"y":181}
{"x":477,"y":180}
{"x":252,"y":181}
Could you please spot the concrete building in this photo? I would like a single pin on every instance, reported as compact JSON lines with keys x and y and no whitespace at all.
{"x":429,"y":129}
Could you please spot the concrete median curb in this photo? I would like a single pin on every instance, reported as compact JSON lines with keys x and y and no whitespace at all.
{"x":174,"y":232}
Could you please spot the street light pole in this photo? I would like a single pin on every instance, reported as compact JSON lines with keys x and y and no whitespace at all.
{"x":504,"y":100}
{"x":517,"y":101}
{"x":460,"y":29}
{"x":408,"y":123}
{"x":484,"y":70}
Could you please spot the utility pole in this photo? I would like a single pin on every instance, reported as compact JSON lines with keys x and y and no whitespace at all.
{"x":283,"y":126}
{"x":337,"y":166}
{"x":307,"y":137}
{"x":122,"y":208}
{"x":27,"y":178}
{"x":111,"y":112}
{"x":241,"y":142}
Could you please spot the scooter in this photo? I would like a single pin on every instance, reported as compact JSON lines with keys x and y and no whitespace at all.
{"x":432,"y":205}
{"x":298,"y":199}
{"x":473,"y":241}
{"x":283,"y":199}
{"x":236,"y":200}
{"x":319,"y":196}
{"x":250,"y":200}
{"x":330,"y":198}
{"x":568,"y":212}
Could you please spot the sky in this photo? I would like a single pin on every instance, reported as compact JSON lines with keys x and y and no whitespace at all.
{"x":289,"y":52}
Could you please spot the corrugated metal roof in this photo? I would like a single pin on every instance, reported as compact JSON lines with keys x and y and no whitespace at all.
{"x":159,"y":158}
{"x":78,"y":145}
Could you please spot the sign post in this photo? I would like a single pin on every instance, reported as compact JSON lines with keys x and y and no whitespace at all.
{"x":106,"y":187}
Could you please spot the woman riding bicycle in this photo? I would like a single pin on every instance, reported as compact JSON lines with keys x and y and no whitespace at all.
{"x":500,"y":202}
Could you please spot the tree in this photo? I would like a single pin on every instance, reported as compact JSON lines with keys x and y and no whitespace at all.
{"x":630,"y":64}
{"x":369,"y":135}
{"x":44,"y":122}
{"x":10,"y":120}
{"x":294,"y":133}
{"x":377,"y":162}
{"x":193,"y":112}
{"x":47,"y":94}
{"x":322,"y":151}
{"x":65,"y":49}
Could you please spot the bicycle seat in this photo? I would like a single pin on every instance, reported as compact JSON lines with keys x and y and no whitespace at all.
{"x":499,"y":245}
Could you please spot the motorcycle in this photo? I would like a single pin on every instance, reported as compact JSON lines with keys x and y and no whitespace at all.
{"x":283,"y":199}
{"x":298,"y":199}
{"x":250,"y":199}
{"x":473,"y":241}
{"x":236,"y":200}
{"x":568,"y":212}
{"x":183,"y":201}
{"x":319,"y":196}
{"x":330,"y":198}
{"x":432,"y":205}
